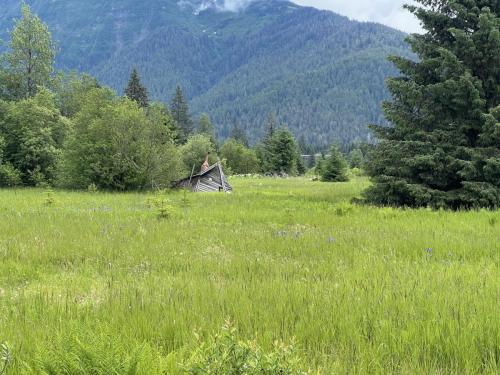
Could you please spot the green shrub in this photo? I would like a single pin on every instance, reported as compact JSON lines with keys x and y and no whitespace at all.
{"x":9,"y":176}
{"x":224,"y":354}
{"x":92,"y":188}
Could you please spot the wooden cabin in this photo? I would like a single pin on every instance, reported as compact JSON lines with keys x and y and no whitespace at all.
{"x":209,"y":179}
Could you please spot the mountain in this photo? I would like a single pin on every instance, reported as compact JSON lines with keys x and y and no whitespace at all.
{"x":319,"y":72}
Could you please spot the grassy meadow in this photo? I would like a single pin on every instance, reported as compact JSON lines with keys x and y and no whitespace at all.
{"x":358,"y":289}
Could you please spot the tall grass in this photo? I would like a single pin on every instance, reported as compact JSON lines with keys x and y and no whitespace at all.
{"x":361,"y":289}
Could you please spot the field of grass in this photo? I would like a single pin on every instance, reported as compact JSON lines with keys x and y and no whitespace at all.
{"x":361,"y":289}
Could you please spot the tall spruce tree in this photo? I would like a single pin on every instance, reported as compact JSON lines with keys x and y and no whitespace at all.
{"x":266,"y":150}
{"x":180,"y":113}
{"x":443,"y":149}
{"x":29,"y":62}
{"x":136,"y":91}
{"x":282,"y":153}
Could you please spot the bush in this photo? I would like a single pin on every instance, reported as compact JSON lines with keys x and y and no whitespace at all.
{"x":239,"y":159}
{"x":9,"y":176}
{"x":92,"y":188}
{"x":224,"y":353}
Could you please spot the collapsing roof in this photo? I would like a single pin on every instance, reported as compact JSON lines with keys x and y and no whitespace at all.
{"x":210,"y":179}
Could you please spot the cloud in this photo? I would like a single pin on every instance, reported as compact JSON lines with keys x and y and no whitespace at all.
{"x":198,"y":6}
{"x":235,"y":5}
{"x":387,"y":12}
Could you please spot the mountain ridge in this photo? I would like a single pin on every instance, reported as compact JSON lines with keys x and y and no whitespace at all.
{"x":320,"y":72}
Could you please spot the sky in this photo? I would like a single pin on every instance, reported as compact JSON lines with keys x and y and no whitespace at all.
{"x":387,"y":12}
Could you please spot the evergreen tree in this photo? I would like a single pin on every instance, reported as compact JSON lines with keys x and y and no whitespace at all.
{"x":334,"y":169}
{"x":180,"y":113}
{"x":136,"y":91}
{"x":266,"y":150}
{"x":29,"y":62}
{"x":441,"y":150}
{"x":282,"y":152}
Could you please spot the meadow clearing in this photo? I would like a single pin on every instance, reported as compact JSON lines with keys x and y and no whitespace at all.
{"x":360,"y":289}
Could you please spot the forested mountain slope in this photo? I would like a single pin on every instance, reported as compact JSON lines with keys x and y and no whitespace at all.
{"x":321,"y":73}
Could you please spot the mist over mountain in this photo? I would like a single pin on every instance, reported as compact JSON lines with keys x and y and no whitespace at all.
{"x":219,"y":5}
{"x":320,"y":73}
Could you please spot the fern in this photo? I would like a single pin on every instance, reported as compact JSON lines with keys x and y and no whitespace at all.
{"x":5,"y":357}
{"x":97,"y":355}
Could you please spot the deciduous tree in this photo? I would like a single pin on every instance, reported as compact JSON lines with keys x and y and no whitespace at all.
{"x":194,"y":152}
{"x":34,"y":133}
{"x":29,"y":62}
{"x":117,"y":145}
{"x":239,"y":159}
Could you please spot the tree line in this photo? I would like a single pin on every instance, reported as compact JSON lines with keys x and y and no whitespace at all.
{"x":442,"y":150}
{"x":67,"y":130}
{"x":246,"y":71}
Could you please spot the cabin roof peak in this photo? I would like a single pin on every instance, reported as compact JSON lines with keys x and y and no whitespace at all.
{"x":205,"y":166}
